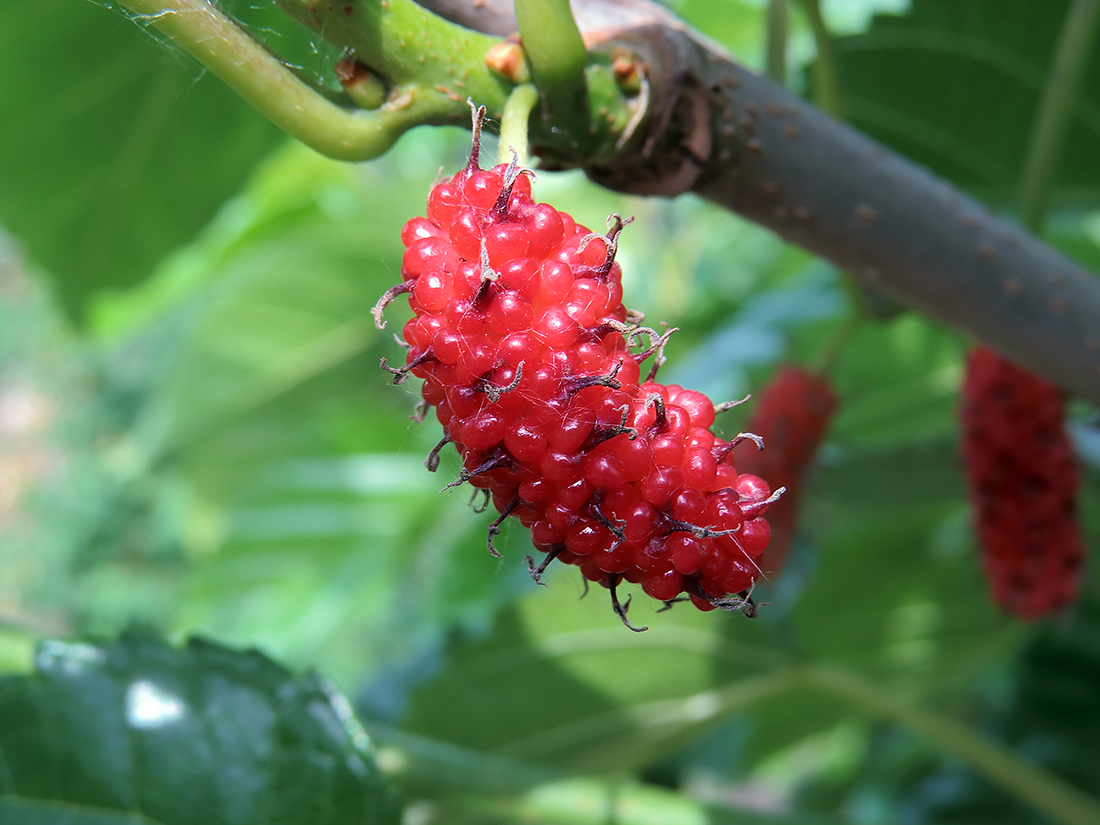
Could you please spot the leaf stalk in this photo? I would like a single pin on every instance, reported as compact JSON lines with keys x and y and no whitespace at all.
{"x":777,"y":41}
{"x":826,"y":74}
{"x":1056,"y":109}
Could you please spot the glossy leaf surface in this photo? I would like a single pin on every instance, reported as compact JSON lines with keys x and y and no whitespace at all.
{"x":199,"y":736}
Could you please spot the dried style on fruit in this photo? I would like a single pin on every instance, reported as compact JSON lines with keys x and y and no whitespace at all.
{"x":534,"y":367}
{"x":1023,"y":485}
{"x":791,"y":415}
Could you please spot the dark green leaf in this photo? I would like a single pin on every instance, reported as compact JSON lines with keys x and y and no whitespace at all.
{"x":955,"y":86}
{"x":115,"y":149}
{"x":199,"y":736}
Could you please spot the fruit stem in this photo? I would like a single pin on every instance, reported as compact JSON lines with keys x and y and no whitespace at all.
{"x":556,"y":54}
{"x":1043,"y":792}
{"x":1056,"y":109}
{"x":829,"y":355}
{"x":513,"y":123}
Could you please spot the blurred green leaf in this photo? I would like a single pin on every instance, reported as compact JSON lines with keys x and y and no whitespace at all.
{"x":354,"y":562}
{"x":759,"y":331}
{"x":199,"y":735}
{"x":1057,"y":693}
{"x":898,"y":384}
{"x":272,"y":305}
{"x":115,"y":149}
{"x":562,"y":682}
{"x":911,"y":567}
{"x":955,"y":86}
{"x":16,"y":649}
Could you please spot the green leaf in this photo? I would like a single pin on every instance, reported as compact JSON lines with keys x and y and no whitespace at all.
{"x":115,"y":149}
{"x":562,"y":682}
{"x":354,"y":562}
{"x":199,"y":736}
{"x":955,"y":86}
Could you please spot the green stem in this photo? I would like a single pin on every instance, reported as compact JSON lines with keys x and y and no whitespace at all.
{"x":826,"y":74}
{"x":777,"y":41}
{"x":443,"y":63}
{"x":1056,"y":109}
{"x":824,"y":364}
{"x":556,"y":53}
{"x":1031,"y":785}
{"x":275,"y":91}
{"x":428,"y":68}
{"x":596,"y":744}
{"x":423,"y":87}
{"x":513,"y":123}
{"x":410,"y":46}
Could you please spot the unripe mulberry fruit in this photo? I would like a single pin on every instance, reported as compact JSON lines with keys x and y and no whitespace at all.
{"x":791,"y":415}
{"x":1023,"y":483}
{"x":534,"y":367}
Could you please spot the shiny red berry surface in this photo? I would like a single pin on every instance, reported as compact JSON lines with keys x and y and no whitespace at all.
{"x":535,"y":371}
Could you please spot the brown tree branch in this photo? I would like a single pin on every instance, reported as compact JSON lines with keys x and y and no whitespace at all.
{"x":743,"y":142}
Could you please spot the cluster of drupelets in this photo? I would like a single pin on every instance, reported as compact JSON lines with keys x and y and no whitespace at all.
{"x":534,"y":367}
{"x":1023,"y":483}
{"x":791,"y":414}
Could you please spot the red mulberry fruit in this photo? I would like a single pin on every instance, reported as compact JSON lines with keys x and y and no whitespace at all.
{"x":791,"y":415}
{"x":1023,"y":482}
{"x":534,"y":367}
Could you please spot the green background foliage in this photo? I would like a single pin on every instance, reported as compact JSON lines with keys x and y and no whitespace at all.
{"x":195,"y":439}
